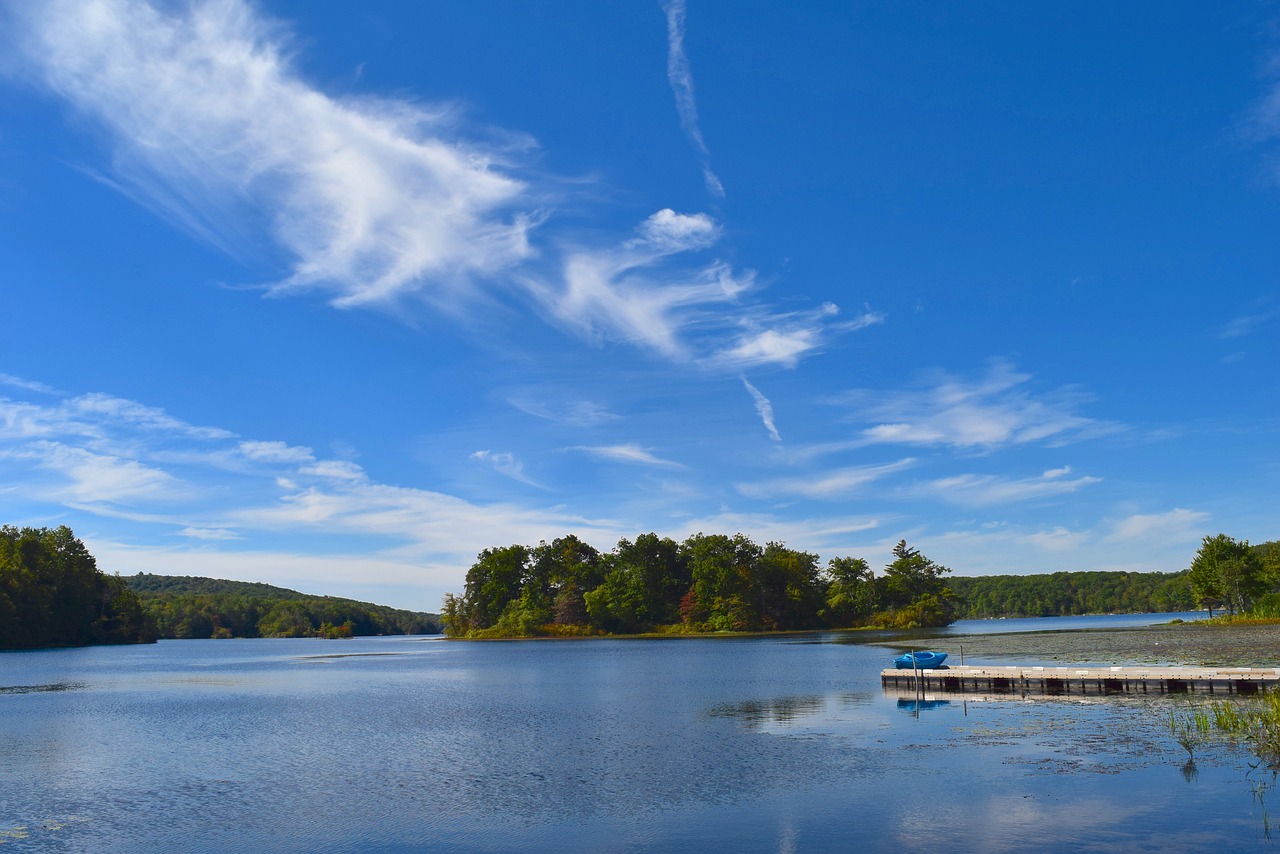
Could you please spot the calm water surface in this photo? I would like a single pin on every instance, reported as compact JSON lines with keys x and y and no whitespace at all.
{"x":410,"y":744}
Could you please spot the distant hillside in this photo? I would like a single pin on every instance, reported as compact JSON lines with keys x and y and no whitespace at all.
{"x":180,"y":585}
{"x":1060,"y":594}
{"x":193,"y":607}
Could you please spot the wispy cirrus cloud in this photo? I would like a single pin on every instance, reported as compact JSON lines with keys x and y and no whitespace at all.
{"x":209,"y":485}
{"x":379,"y":201}
{"x":784,"y":339}
{"x":764,"y":409}
{"x":626,"y":453}
{"x":1246,"y":324}
{"x":26,"y":385}
{"x":995,"y":410}
{"x":506,"y":464}
{"x":984,"y":489}
{"x":680,"y":76}
{"x":85,"y":477}
{"x":1177,"y":525}
{"x":837,"y":483}
{"x":210,"y":124}
{"x":626,"y":293}
{"x":578,"y":413}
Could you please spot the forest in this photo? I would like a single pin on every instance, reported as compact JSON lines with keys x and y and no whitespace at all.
{"x":1063,"y":594}
{"x":714,"y":582}
{"x":53,"y":594}
{"x":193,"y":607}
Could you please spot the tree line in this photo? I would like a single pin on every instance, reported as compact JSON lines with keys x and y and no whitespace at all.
{"x":193,"y":607}
{"x":53,"y":594}
{"x":707,"y":583}
{"x":1061,"y":594}
{"x":714,"y":582}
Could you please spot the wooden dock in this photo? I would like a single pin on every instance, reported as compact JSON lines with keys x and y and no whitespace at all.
{"x":1051,"y":681}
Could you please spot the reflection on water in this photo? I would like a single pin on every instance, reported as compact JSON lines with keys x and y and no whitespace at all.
{"x":914,"y":707}
{"x":785,"y":711}
{"x":612,"y":746}
{"x":34,"y":689}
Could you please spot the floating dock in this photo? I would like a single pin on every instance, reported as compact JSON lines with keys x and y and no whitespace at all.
{"x":1051,"y":681}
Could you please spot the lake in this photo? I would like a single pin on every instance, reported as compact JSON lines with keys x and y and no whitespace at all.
{"x":781,"y":744}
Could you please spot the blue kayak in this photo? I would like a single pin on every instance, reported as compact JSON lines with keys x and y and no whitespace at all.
{"x":922,"y":660}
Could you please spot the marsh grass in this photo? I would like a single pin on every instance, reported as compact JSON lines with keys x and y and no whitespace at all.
{"x":1255,"y":723}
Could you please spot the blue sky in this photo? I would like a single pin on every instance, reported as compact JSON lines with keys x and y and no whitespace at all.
{"x":335,"y":296}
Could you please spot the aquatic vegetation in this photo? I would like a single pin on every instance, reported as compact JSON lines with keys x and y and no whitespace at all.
{"x":1190,"y":730}
{"x":1255,"y":723}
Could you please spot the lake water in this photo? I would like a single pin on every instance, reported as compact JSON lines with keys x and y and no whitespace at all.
{"x":410,"y":744}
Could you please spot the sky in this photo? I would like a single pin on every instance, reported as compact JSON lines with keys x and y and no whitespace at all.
{"x":334,"y":296}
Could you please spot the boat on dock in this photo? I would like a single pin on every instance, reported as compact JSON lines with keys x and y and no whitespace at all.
{"x":919,"y":660}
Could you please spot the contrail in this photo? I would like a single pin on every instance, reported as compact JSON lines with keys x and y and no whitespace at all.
{"x":681,"y":78}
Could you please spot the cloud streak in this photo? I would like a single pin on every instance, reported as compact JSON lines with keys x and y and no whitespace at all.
{"x":680,"y":76}
{"x":828,"y":485}
{"x":381,"y":202}
{"x":626,"y":453}
{"x":505,"y":464}
{"x":764,"y":409}
{"x":994,"y":411}
{"x":972,"y":490}
{"x":370,"y":199}
{"x":632,"y":292}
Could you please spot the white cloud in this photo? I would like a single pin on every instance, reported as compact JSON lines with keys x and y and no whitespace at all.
{"x":26,"y":385}
{"x":375,"y":200}
{"x":89,"y":478}
{"x":993,"y":411}
{"x":667,"y":232}
{"x":627,"y":453}
{"x":680,"y":75}
{"x":212,"y":127}
{"x":578,"y":413}
{"x":783,"y":339}
{"x":335,"y":470}
{"x":764,"y":409}
{"x":838,"y":483}
{"x":981,"y":490}
{"x":505,"y":464}
{"x":1057,"y":539}
{"x":1178,"y":525}
{"x":1059,"y":472}
{"x":208,"y":534}
{"x":1247,"y":324}
{"x":624,"y":293}
{"x":120,"y":410}
{"x":276,"y":452}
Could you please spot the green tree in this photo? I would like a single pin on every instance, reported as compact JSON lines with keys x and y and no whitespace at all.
{"x":557,"y":575}
{"x":723,"y":574}
{"x":913,"y":581}
{"x":52,"y":594}
{"x":1227,"y":573}
{"x":790,"y":588}
{"x":494,"y":581}
{"x":851,"y":592}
